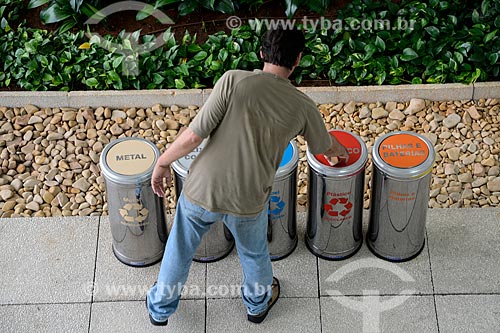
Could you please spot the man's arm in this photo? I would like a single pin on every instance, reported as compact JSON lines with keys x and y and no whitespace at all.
{"x":337,"y":152}
{"x":183,"y":145}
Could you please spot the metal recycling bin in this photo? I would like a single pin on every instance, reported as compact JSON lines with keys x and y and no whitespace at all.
{"x":218,"y":241}
{"x":335,"y":213}
{"x":136,"y":214}
{"x":402,"y":170}
{"x":282,"y":215}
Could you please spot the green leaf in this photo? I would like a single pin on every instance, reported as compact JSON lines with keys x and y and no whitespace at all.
{"x":225,"y":6}
{"x":432,"y":31}
{"x":497,"y":21}
{"x":114,"y":76}
{"x":157,"y":78}
{"x":493,"y":58}
{"x":291,"y":7}
{"x":484,"y":6}
{"x":223,"y":55}
{"x":66,"y":26}
{"x":91,"y":82}
{"x":200,"y":56}
{"x":490,"y":36}
{"x":53,"y":14}
{"x":187,"y":7}
{"x":117,"y":61}
{"x":252,"y":57}
{"x":126,"y":44}
{"x":475,"y":16}
{"x":37,"y":3}
{"x":459,"y":57}
{"x":409,"y":54}
{"x":380,"y":44}
{"x":179,"y":83}
{"x":306,"y":61}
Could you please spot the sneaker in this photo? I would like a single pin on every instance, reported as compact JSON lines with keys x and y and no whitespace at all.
{"x":259,"y":318}
{"x":151,"y":319}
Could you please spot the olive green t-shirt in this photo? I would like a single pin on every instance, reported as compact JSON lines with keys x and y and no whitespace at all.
{"x":250,"y":118}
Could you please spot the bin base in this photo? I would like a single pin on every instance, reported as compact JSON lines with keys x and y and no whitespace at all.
{"x":214,"y":258}
{"x":277,"y":257}
{"x":394,"y":259}
{"x":334,"y":257}
{"x":137,"y":263}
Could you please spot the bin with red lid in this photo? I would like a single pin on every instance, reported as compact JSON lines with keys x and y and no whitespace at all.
{"x":334,"y":220}
{"x":402,"y":168}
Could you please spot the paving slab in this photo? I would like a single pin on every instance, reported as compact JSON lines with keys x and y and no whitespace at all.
{"x":364,"y":271}
{"x":287,"y":315}
{"x":45,"y":318}
{"x":464,"y":249}
{"x":47,"y":260}
{"x":117,"y":281}
{"x":378,"y":314}
{"x":133,"y":317}
{"x":468,"y":313}
{"x":297,"y":272}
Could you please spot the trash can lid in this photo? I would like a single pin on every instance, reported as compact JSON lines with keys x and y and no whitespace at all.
{"x":358,"y":156}
{"x":129,"y":160}
{"x":403,"y":154}
{"x":289,"y":161}
{"x":181,"y":166}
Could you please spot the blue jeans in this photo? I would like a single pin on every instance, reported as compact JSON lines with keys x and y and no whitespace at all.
{"x":190,"y":224}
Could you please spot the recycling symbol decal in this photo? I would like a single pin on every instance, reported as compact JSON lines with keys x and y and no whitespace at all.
{"x":133,"y":213}
{"x":338,"y":207}
{"x":278,"y":204}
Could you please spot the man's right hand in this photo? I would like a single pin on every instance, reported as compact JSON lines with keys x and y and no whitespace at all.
{"x":337,"y":152}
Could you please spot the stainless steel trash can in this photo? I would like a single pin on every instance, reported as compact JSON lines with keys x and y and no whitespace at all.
{"x":282,"y":228}
{"x":334,"y":221}
{"x":136,"y":214}
{"x":402,"y":166}
{"x":218,"y":242}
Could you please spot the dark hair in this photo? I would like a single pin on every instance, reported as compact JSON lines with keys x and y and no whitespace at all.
{"x":282,"y":46}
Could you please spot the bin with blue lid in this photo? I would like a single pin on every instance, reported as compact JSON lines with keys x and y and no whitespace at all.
{"x":136,"y":214}
{"x":282,"y":216}
{"x":218,"y":241}
{"x":335,"y":193}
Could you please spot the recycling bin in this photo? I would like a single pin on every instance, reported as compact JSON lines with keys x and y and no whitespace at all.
{"x":218,"y":241}
{"x":136,"y":214}
{"x":282,"y":215}
{"x":402,"y":166}
{"x":335,"y":213}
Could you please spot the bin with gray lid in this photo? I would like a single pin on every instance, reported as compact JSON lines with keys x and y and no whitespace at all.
{"x":136,"y":214}
{"x":218,"y":241}
{"x":402,"y":169}
{"x":282,"y":216}
{"x":334,"y":220}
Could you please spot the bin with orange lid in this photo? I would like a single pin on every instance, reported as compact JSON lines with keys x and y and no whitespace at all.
{"x":402,"y":168}
{"x":334,"y":220}
{"x":136,"y":214}
{"x":218,"y":241}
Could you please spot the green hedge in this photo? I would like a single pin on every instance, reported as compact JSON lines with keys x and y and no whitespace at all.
{"x":451,"y":41}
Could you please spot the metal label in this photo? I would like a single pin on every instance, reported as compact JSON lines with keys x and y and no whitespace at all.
{"x":130,"y":157}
